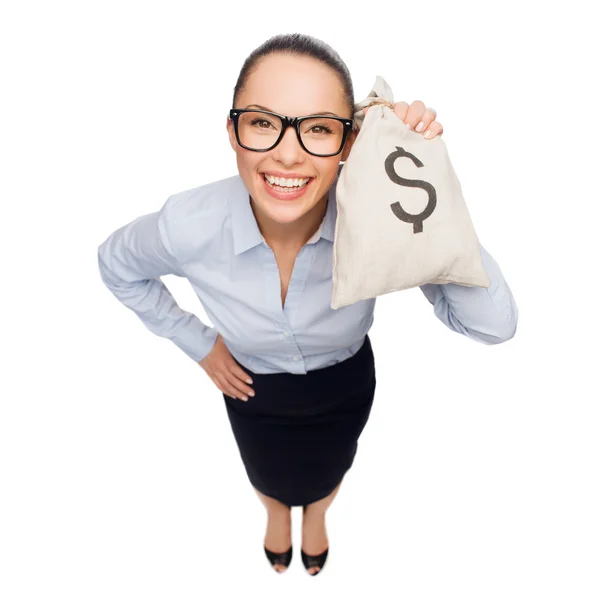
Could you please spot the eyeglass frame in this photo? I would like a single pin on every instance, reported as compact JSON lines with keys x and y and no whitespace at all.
{"x":234,"y":115}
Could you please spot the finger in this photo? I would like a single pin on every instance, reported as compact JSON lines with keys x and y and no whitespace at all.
{"x":239,"y":372}
{"x":226,"y":387}
{"x":238,"y":384}
{"x":400,"y":110}
{"x":414,"y":113}
{"x":434,"y":130}
{"x":426,"y":119}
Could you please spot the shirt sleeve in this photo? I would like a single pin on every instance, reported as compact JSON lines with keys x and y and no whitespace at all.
{"x":131,"y":261}
{"x":486,"y":315}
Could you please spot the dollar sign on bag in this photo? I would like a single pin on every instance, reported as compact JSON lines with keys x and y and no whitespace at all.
{"x":399,"y":212}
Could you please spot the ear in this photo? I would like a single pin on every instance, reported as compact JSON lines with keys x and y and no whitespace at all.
{"x":348,"y":145}
{"x":231,"y":134}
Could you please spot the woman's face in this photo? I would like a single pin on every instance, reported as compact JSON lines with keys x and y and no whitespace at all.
{"x":292,"y":86}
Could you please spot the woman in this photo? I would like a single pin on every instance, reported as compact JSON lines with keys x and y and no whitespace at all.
{"x":298,"y":378}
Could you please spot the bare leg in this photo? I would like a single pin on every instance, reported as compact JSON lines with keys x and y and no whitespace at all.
{"x":314,"y":534}
{"x":278,"y":536}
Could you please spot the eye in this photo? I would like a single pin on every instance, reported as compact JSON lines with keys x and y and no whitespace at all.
{"x":258,"y":120}
{"x":323,"y":128}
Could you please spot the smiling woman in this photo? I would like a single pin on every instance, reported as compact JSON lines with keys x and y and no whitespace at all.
{"x":297,"y":377}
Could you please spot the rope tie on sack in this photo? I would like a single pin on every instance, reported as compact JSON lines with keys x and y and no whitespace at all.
{"x":380,"y":101}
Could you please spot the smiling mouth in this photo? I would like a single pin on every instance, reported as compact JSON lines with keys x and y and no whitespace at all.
{"x":285,"y":188}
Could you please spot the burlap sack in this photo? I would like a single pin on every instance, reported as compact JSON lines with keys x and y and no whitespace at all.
{"x":402,"y":219}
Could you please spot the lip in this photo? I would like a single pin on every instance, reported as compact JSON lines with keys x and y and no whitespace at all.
{"x":285,"y":195}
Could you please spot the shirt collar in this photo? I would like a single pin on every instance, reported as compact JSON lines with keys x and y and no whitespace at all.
{"x":246,"y":233}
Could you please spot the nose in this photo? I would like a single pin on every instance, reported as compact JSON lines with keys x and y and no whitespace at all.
{"x":289,"y":147}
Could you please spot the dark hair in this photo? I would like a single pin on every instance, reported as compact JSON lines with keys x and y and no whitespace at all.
{"x":298,"y":44}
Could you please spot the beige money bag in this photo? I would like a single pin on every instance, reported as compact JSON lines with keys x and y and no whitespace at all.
{"x":402,"y":220}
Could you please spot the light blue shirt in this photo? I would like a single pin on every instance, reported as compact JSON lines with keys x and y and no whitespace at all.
{"x":210,"y":236}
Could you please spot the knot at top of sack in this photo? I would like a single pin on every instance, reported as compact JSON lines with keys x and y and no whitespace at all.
{"x":380,"y":101}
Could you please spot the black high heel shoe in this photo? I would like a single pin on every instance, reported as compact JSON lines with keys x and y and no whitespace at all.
{"x":279,"y":558}
{"x":313,"y":561}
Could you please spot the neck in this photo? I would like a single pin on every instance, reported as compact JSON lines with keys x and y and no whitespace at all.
{"x":290,"y":236}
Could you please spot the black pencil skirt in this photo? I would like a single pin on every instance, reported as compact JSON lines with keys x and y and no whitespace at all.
{"x":298,"y":435}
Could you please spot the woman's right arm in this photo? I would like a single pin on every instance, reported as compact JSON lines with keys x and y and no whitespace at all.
{"x":131,"y":261}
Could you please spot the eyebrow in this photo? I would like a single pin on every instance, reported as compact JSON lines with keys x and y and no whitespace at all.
{"x":321,"y":112}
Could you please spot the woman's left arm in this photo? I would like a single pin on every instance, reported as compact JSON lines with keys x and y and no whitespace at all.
{"x":486,"y":315}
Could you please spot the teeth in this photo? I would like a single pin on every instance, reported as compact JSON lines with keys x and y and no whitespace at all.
{"x":286,"y":182}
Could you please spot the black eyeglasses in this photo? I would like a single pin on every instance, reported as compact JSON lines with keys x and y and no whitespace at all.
{"x":262,"y":130}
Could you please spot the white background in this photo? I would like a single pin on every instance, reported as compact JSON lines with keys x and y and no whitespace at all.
{"x":477,"y":474}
